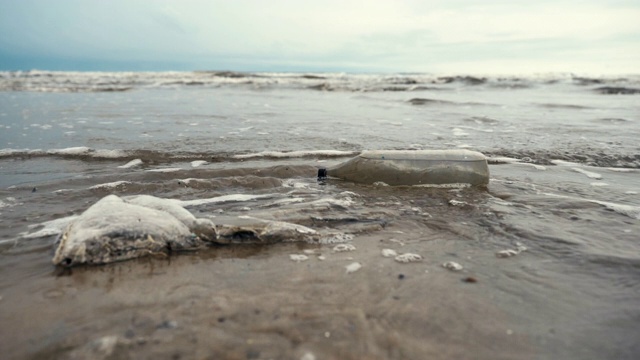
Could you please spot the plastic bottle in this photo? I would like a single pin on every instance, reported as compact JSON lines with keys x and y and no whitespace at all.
{"x":409,"y":167}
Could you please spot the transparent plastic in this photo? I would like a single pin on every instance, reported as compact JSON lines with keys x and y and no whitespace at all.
{"x":420,"y":167}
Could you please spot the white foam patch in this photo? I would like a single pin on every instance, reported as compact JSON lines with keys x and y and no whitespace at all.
{"x":130,"y":164}
{"x":83,"y":150}
{"x":198,"y":163}
{"x":459,"y":132}
{"x":452,"y":265}
{"x":444,"y":186}
{"x":623,"y":170}
{"x":508,"y":160}
{"x":353,"y":267}
{"x":8,"y":202}
{"x":511,"y":252}
{"x":225,"y":198}
{"x":457,"y":202}
{"x":335,"y":239}
{"x":389,"y":253}
{"x":564,"y":163}
{"x":50,"y":228}
{"x":190,"y":180}
{"x":298,"y":257}
{"x":111,"y":185}
{"x":43,"y":127}
{"x":290,"y":183}
{"x":380,"y":184}
{"x":165,"y":170}
{"x":285,"y":202}
{"x":9,"y":152}
{"x":536,"y":166}
{"x":109,"y":154}
{"x":62,"y":191}
{"x":328,"y":202}
{"x":506,"y":253}
{"x":78,"y":150}
{"x":589,"y":174}
{"x":344,"y":248}
{"x":599,"y":183}
{"x":292,"y":154}
{"x":408,"y":257}
{"x":628,"y":210}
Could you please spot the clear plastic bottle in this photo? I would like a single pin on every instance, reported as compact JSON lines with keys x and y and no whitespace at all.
{"x":409,"y":167}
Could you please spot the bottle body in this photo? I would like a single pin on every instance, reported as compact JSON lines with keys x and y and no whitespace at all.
{"x":420,"y":167}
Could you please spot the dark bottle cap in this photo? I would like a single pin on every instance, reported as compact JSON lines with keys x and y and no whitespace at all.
{"x":322,"y":174}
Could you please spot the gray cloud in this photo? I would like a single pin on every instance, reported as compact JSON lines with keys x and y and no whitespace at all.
{"x":385,"y":35}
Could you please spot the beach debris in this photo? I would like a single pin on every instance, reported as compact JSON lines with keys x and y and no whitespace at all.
{"x":120,"y":228}
{"x":408,"y":257}
{"x":115,"y":229}
{"x":389,"y":253}
{"x":344,"y":248}
{"x":298,"y":257}
{"x":470,"y":279}
{"x":248,"y":230}
{"x":407,"y":167}
{"x":452,"y":265}
{"x":353,"y":267}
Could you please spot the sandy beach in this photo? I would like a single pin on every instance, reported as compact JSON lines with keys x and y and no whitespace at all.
{"x":253,"y":302}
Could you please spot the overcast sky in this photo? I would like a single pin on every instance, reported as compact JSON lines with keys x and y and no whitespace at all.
{"x":436,"y":36}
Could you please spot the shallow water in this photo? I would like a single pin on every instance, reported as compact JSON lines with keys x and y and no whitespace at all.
{"x":564,"y":162}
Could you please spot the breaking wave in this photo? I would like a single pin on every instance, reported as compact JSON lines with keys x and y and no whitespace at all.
{"x":139,"y":157}
{"x":64,"y":81}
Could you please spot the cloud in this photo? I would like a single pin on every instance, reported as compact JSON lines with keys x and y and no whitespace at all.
{"x":374,"y":35}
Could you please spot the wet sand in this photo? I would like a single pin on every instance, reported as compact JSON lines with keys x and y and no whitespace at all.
{"x":569,"y":295}
{"x":253,"y":302}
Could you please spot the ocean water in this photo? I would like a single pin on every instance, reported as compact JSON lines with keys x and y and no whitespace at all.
{"x":550,"y":250}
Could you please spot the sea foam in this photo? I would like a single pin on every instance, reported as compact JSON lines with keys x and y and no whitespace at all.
{"x":294,"y":154}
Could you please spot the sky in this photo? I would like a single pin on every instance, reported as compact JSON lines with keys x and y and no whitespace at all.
{"x":433,"y":36}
